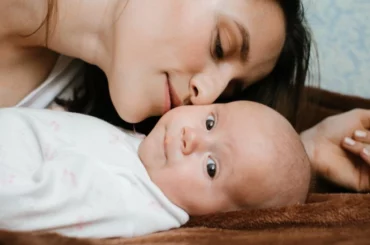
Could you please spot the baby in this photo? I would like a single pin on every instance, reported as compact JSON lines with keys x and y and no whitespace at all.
{"x":80,"y":176}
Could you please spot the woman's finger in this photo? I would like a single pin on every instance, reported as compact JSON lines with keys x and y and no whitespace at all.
{"x":357,"y":148}
{"x":365,"y":154}
{"x":362,"y":136}
{"x":352,"y":145}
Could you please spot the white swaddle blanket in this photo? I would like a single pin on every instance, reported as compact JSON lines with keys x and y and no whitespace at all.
{"x":78,"y":176}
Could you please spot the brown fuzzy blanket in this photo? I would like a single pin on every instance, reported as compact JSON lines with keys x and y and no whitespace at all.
{"x":326,"y":218}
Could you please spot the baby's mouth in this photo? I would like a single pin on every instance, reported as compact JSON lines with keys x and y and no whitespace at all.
{"x":165,"y":143}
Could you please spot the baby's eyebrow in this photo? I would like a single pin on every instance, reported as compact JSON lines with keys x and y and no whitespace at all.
{"x":223,"y":149}
{"x":219,"y":116}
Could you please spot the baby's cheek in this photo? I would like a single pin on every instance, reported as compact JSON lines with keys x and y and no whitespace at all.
{"x":180,"y":178}
{"x":189,"y":176}
{"x":175,"y":177}
{"x":169,"y":184}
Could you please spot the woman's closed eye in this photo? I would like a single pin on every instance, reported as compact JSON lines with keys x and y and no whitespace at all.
{"x":211,"y":168}
{"x":218,"y":51}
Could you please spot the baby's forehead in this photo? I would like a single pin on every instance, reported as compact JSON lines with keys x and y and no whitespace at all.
{"x":242,"y":122}
{"x":250,"y":192}
{"x":244,"y":115}
{"x":253,"y":182}
{"x":262,"y":153}
{"x":254,"y":170}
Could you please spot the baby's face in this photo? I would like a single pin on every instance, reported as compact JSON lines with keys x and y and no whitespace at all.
{"x":213,"y":158}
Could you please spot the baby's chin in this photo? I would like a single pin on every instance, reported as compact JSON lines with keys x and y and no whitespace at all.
{"x":150,"y":158}
{"x":143,"y":154}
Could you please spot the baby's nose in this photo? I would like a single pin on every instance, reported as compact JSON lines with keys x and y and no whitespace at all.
{"x":191,"y":141}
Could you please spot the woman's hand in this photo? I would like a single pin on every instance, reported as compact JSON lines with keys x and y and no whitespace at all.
{"x":338,"y":149}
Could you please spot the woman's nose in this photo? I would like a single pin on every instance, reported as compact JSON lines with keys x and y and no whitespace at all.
{"x":192,"y":141}
{"x":205,"y":89}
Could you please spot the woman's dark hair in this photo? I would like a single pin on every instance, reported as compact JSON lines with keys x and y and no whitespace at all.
{"x":282,"y":89}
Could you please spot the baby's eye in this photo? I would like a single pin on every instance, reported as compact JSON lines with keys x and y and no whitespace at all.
{"x":211,"y":168}
{"x":210,"y":122}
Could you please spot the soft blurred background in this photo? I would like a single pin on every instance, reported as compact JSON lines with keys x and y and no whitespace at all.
{"x":342,"y":31}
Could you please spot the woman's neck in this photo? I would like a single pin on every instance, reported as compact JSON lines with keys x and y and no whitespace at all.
{"x":79,"y":28}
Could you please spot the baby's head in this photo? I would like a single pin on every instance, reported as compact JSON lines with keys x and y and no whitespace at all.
{"x":224,"y":157}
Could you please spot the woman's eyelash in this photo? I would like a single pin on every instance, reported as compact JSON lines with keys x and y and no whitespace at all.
{"x":218,"y":50}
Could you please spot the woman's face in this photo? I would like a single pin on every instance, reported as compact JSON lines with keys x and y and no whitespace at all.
{"x":173,"y":52}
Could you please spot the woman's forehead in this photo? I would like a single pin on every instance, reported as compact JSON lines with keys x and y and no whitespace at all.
{"x":264,"y":24}
{"x":247,"y":10}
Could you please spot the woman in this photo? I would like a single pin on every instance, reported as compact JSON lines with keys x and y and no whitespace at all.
{"x":156,"y":55}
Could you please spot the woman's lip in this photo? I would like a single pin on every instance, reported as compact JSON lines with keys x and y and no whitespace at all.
{"x":174,"y":98}
{"x":171,"y":100}
{"x":167,"y":98}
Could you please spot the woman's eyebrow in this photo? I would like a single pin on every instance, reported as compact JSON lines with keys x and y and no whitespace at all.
{"x":244,"y":49}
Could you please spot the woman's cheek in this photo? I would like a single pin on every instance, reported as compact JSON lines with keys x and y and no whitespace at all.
{"x":128,"y":104}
